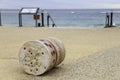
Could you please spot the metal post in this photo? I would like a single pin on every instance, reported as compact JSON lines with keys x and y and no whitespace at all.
{"x":20,"y":20}
{"x":111,"y":19}
{"x":108,"y":20}
{"x":48,"y":16}
{"x":42,"y":15}
{"x":0,"y":20}
{"x":36,"y":20}
{"x":107,"y":23}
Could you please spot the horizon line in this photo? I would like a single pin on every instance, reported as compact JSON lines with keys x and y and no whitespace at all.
{"x":61,"y":8}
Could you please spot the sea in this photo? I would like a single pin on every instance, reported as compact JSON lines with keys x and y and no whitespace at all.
{"x":85,"y":18}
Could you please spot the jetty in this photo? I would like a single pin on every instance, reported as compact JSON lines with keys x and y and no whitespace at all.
{"x":38,"y":14}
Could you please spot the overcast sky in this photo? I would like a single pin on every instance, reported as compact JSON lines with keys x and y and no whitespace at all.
{"x":60,"y":4}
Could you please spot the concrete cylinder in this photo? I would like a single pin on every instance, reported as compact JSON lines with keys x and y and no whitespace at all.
{"x":37,"y":57}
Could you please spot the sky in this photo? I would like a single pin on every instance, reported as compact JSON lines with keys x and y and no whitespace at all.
{"x":60,"y":4}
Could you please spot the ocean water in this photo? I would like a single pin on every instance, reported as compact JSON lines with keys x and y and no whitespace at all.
{"x":64,"y":17}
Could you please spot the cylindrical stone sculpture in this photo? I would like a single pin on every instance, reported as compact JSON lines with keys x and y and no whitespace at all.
{"x":37,"y":57}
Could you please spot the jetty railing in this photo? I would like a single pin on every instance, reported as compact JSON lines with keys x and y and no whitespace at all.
{"x":48,"y":20}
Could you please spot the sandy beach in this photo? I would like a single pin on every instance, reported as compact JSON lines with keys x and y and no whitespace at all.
{"x":91,"y":54}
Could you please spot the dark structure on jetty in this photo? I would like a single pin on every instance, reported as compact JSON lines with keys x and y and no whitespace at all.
{"x":29,"y":11}
{"x":37,"y":15}
{"x":109,"y":20}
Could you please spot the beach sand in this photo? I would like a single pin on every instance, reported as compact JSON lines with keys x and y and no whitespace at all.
{"x":91,"y":54}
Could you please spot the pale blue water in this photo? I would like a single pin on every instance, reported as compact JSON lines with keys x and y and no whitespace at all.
{"x":64,"y":17}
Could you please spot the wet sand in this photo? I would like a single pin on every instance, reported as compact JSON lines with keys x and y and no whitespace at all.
{"x":91,"y":54}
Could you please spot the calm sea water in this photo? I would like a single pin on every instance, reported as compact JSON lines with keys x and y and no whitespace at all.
{"x":64,"y":17}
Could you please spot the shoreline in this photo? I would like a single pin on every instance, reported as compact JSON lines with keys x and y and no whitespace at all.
{"x":79,"y":27}
{"x":64,"y":27}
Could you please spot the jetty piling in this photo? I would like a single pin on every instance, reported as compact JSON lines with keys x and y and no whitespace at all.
{"x":42,"y":18}
{"x":111,"y":19}
{"x":48,"y":16}
{"x":107,"y":20}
